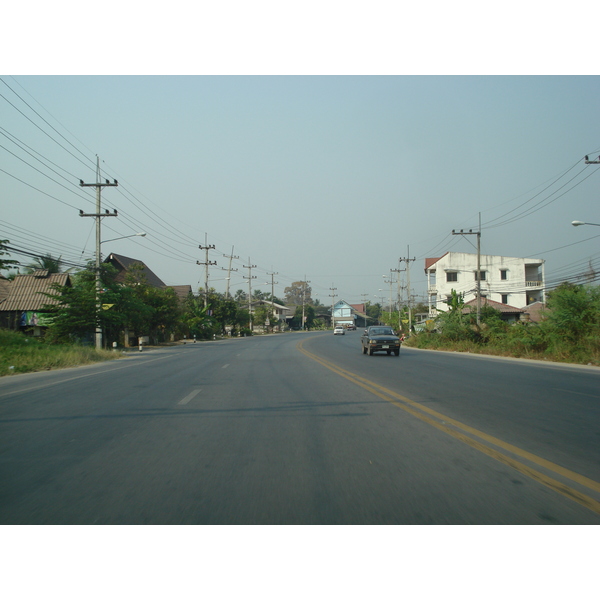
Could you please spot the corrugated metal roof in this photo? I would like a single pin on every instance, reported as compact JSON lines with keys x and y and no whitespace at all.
{"x":26,"y":292}
{"x":4,"y":288}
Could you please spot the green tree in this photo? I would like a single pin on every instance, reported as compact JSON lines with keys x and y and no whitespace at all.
{"x":373,"y":312}
{"x":262,"y":313}
{"x":309,"y":318}
{"x":223,"y":310}
{"x":75,"y":315}
{"x":573,"y":313}
{"x":196,"y":318}
{"x":6,"y":263}
{"x":298,"y":293}
{"x":240,"y":297}
{"x":47,"y":263}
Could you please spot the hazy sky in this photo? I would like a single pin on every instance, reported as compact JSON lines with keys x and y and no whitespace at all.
{"x":330,"y":177}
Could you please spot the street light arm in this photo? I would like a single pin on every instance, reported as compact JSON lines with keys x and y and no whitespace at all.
{"x":142,"y":234}
{"x":578,"y":223}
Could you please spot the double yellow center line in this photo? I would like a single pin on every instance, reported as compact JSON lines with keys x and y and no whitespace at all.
{"x":477,"y":439}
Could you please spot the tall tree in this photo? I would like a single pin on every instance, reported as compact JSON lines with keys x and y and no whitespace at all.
{"x":47,"y":263}
{"x":6,"y":263}
{"x":298,"y":293}
{"x":240,"y":296}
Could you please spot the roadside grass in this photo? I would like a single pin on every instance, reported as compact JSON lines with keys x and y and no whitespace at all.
{"x":24,"y":354}
{"x":587,"y":352}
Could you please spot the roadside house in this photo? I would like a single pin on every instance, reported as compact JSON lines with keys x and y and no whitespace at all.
{"x":21,"y":309}
{"x":508,"y":280}
{"x":124,"y":265}
{"x":510,"y":314}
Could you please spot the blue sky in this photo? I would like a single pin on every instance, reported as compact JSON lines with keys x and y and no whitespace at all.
{"x":326,"y":142}
{"x":332,"y":177}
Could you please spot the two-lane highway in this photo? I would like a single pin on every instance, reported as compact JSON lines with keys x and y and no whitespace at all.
{"x":300,"y":428}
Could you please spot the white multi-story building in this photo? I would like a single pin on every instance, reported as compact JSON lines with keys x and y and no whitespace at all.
{"x":516,"y":282}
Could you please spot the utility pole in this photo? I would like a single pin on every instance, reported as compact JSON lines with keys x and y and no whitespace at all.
{"x":408,"y":261}
{"x":364,"y":301}
{"x":206,"y":264}
{"x":397,"y":291}
{"x":231,"y":257}
{"x":303,"y":299}
{"x":478,"y":273}
{"x":249,"y":278}
{"x":273,"y":283}
{"x":332,"y":296}
{"x":98,"y":216}
{"x":390,"y":281}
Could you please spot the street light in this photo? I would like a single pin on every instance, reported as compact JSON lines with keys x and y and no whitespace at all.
{"x":143,"y":233}
{"x":578,"y":223}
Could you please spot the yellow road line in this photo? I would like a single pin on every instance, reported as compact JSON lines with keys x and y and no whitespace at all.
{"x":417,"y":410}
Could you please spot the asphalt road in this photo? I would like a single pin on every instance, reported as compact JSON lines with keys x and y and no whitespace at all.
{"x":301,"y":428}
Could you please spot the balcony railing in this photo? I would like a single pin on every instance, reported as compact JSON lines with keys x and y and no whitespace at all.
{"x":533,"y":283}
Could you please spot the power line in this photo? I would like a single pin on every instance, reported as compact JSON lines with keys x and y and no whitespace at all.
{"x":45,"y":133}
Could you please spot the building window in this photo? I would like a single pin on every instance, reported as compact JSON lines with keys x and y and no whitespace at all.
{"x":504,"y":298}
{"x":503,"y":274}
{"x":481,"y":276}
{"x":451,"y":276}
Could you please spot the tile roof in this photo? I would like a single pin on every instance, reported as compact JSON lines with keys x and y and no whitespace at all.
{"x":429,"y":262}
{"x":26,"y":292}
{"x":503,"y":308}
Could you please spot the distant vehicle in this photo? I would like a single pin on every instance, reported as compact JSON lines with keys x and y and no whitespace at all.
{"x":378,"y":338}
{"x":350,"y":327}
{"x":339,"y":330}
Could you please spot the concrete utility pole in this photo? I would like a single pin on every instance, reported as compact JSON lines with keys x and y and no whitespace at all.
{"x":408,"y":261}
{"x":249,"y":278}
{"x":478,"y":273}
{"x":303,"y":299}
{"x":364,"y":301}
{"x":273,"y":284}
{"x":231,"y":257}
{"x":397,"y":291}
{"x":98,"y":216}
{"x":390,"y":281}
{"x":206,"y":264}
{"x":332,"y":296}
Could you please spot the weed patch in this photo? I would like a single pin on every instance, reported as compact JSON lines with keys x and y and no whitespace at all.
{"x":23,"y":354}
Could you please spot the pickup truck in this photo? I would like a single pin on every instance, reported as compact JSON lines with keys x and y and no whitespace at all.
{"x":380,"y":338}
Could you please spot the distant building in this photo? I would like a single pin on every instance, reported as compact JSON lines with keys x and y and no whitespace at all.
{"x":516,"y":282}
{"x":343,"y":314}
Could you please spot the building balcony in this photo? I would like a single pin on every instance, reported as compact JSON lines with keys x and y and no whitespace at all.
{"x":531,"y":284}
